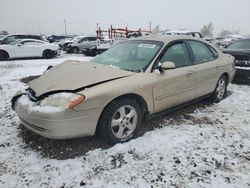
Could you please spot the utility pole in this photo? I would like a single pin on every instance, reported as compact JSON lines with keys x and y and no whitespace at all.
{"x":65,"y":27}
{"x":40,"y":32}
{"x":233,"y":27}
{"x":150,"y":25}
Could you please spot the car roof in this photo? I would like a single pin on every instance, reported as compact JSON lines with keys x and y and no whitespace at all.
{"x":182,"y":31}
{"x":168,"y":38}
{"x":21,"y":34}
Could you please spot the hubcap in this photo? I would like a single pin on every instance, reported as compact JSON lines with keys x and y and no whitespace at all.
{"x":124,"y":121}
{"x":221,"y":88}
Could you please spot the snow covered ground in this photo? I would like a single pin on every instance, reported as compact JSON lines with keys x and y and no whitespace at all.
{"x":207,"y":147}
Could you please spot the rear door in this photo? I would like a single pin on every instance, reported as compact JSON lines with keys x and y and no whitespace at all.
{"x":91,"y":42}
{"x":174,"y":86}
{"x":207,"y":67}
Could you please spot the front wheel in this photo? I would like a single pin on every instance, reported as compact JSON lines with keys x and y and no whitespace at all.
{"x":120,"y":121}
{"x":48,"y":54}
{"x":220,"y":90}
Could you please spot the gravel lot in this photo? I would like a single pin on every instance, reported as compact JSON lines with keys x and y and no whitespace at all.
{"x":202,"y":145}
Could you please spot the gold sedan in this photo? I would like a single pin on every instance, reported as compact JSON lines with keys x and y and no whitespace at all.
{"x":130,"y":82}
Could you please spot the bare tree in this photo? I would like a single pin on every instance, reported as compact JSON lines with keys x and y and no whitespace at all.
{"x":3,"y":32}
{"x":207,"y":30}
{"x":156,"y":29}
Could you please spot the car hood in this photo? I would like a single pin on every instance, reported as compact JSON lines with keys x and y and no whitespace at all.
{"x":242,"y":57}
{"x":75,"y":75}
{"x":238,"y":53}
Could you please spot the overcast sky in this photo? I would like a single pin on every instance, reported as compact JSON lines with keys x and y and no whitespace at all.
{"x":47,"y":16}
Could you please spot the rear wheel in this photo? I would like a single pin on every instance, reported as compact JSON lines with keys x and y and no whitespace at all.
{"x":48,"y":54}
{"x":4,"y":56}
{"x":91,"y":52}
{"x":220,"y":90}
{"x":120,"y":121}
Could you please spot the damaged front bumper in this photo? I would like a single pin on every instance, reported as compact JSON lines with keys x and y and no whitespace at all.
{"x":65,"y":124}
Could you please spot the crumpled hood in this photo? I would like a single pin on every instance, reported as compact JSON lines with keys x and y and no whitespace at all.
{"x":72,"y":75}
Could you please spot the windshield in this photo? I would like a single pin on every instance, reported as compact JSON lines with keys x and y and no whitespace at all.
{"x":134,"y":55}
{"x":245,"y":45}
{"x":75,"y":39}
{"x":15,"y":42}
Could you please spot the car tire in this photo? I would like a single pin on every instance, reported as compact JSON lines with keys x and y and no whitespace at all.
{"x":4,"y":55}
{"x":91,"y":53}
{"x":48,"y":54}
{"x":220,"y":91}
{"x":120,"y":121}
{"x":75,"y":50}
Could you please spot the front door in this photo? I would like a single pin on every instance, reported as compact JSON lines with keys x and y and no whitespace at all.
{"x":26,"y":49}
{"x":174,"y":86}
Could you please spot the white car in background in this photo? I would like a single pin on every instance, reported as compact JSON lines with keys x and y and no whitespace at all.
{"x":28,"y":48}
{"x":192,"y":33}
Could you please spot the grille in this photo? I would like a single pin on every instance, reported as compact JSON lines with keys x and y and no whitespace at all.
{"x":241,"y":57}
{"x":242,"y":63}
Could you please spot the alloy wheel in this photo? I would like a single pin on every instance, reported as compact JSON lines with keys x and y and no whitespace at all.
{"x":221,"y":88}
{"x":124,"y":121}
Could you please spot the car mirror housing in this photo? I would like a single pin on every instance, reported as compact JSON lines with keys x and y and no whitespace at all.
{"x":167,"y":65}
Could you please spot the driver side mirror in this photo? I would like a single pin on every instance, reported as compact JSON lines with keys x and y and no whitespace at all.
{"x":167,"y":65}
{"x":19,"y":44}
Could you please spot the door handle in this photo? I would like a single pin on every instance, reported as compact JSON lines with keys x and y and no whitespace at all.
{"x":217,"y":66}
{"x":189,"y":74}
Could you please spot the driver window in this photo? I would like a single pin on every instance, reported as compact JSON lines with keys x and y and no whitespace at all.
{"x":178,"y":54}
{"x":11,"y":38}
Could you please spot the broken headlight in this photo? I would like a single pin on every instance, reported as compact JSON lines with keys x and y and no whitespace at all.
{"x":63,"y":100}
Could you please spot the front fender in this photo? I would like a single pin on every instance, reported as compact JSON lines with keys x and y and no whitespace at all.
{"x":101,"y":95}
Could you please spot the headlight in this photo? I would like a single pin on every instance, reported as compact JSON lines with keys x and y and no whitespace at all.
{"x":63,"y":100}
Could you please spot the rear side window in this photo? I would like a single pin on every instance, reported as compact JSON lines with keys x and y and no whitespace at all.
{"x":28,"y":37}
{"x":33,"y":37}
{"x":31,"y":43}
{"x":92,"y":38}
{"x":178,"y":54}
{"x":21,"y":37}
{"x":201,"y":52}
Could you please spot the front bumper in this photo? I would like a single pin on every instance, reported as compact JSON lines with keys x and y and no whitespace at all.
{"x":59,"y":125}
